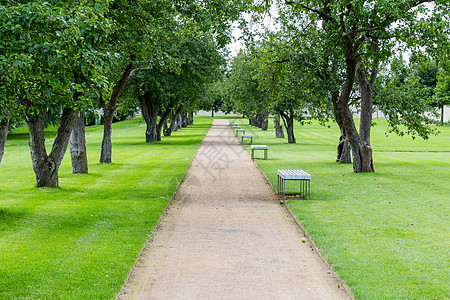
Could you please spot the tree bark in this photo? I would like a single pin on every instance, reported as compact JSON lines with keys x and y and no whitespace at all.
{"x":289,"y":125}
{"x":365,"y":124}
{"x":78,"y":152}
{"x":150,"y":110}
{"x":46,"y":166}
{"x":442,"y":119}
{"x":184,"y":122}
{"x":4,"y":125}
{"x":278,"y":128}
{"x":106,"y":153}
{"x":179,"y":121}
{"x":190,"y":118}
{"x":173,"y":122}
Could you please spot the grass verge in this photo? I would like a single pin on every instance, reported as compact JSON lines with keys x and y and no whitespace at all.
{"x":81,"y":240}
{"x":386,"y":234}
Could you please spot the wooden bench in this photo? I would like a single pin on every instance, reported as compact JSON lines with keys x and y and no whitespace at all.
{"x":247,"y":136}
{"x":302,"y":176}
{"x":259,"y":147}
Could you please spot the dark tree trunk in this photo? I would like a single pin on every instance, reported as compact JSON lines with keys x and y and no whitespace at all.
{"x":361,"y":152}
{"x":279,"y":133}
{"x":179,"y":121}
{"x":173,"y":122}
{"x":78,"y":152}
{"x":190,"y":118}
{"x":162,"y":124}
{"x":289,"y":125}
{"x":365,"y":124}
{"x":442,"y":118}
{"x":106,"y":153}
{"x":46,"y":166}
{"x":212,"y":113}
{"x":4,"y":125}
{"x":344,"y":150}
{"x":184,"y":122}
{"x":150,"y":110}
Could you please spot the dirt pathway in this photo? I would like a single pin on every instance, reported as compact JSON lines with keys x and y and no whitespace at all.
{"x":226,"y":236}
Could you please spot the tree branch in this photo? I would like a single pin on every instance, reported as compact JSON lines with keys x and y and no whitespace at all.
{"x":135,"y":71}
{"x":318,"y":12}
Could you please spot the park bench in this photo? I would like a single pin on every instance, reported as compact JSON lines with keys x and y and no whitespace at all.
{"x":232,"y":124}
{"x":234,"y":127}
{"x":259,"y":147}
{"x":241,"y":131}
{"x":247,"y":136}
{"x":302,"y":176}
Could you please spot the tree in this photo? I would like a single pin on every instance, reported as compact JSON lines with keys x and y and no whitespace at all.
{"x":49,"y":58}
{"x":365,"y":32}
{"x":138,"y":38}
{"x":442,"y":94}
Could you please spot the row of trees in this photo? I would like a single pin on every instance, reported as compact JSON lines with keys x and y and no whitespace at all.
{"x":61,"y":57}
{"x":329,"y":57}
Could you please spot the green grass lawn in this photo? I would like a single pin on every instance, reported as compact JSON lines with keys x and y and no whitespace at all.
{"x":81,"y":240}
{"x":386,"y":234}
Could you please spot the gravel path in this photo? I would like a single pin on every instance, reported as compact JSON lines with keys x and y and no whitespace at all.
{"x":226,"y":236}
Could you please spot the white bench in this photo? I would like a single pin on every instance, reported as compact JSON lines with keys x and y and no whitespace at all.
{"x":247,"y":136}
{"x":232,"y":124}
{"x":302,"y":176}
{"x":240,"y":130}
{"x":259,"y":147}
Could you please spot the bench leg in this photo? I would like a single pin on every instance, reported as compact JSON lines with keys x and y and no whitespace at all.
{"x":265,"y":154}
{"x":253,"y":154}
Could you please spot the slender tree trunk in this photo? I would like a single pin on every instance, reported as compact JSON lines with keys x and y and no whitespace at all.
{"x":288,"y":121}
{"x":365,"y":124}
{"x":4,"y":125}
{"x":46,"y":166}
{"x":442,"y":118}
{"x":173,"y":122}
{"x":278,"y":128}
{"x":78,"y":152}
{"x":162,"y":123}
{"x":106,"y":153}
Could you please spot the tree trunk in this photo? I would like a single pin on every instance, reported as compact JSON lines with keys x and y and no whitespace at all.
{"x":78,"y":152}
{"x":289,"y":125}
{"x":173,"y":122}
{"x":278,"y":128}
{"x":150,"y":110}
{"x":184,"y":122}
{"x":106,"y":153}
{"x":4,"y":125}
{"x":162,"y":123}
{"x":365,"y":124}
{"x":442,"y":119}
{"x":46,"y":166}
{"x":179,"y":121}
{"x":344,"y":149}
{"x":191,"y":119}
{"x":361,"y":151}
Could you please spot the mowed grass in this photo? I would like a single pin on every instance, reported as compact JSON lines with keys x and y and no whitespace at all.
{"x":81,"y":240}
{"x":386,"y":234}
